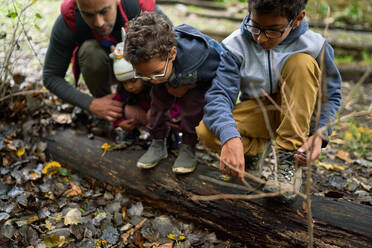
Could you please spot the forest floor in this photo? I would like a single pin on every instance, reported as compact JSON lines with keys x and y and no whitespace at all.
{"x":40,"y":201}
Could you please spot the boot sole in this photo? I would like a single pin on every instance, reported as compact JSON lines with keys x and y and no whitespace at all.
{"x":149,"y":166}
{"x":183,"y":170}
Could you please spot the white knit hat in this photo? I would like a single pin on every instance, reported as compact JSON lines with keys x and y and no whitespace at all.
{"x":123,"y":70}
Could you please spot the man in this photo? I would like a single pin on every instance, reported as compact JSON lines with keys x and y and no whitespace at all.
{"x":84,"y":34}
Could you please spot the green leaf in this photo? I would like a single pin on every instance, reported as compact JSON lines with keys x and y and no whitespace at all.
{"x":38,"y":16}
{"x":63,"y":172}
{"x":12,"y":15}
{"x":37,"y":26}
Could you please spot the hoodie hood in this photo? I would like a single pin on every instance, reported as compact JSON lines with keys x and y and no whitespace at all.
{"x":292,"y":36}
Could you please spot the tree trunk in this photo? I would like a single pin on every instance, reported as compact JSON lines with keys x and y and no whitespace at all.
{"x":257,"y":223}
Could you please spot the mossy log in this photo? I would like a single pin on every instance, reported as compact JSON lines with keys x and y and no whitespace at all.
{"x":257,"y":223}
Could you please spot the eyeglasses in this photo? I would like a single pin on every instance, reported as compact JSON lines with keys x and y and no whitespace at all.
{"x":271,"y":34}
{"x":154,"y":77}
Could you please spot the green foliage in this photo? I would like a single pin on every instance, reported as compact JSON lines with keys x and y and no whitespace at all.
{"x":358,"y":139}
{"x":354,"y":11}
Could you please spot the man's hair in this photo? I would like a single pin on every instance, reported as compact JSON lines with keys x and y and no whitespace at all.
{"x":284,"y":8}
{"x":148,"y":35}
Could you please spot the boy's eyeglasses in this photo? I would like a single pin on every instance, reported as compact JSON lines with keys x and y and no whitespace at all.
{"x":154,"y":77}
{"x":271,"y":34}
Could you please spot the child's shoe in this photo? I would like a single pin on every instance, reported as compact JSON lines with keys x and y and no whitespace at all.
{"x":288,"y":176}
{"x":156,"y":152}
{"x":186,"y":160}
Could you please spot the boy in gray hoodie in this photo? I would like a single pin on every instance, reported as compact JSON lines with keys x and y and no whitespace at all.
{"x":274,"y":61}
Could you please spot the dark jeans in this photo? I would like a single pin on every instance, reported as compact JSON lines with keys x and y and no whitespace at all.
{"x":191,"y":111}
{"x":96,"y":68}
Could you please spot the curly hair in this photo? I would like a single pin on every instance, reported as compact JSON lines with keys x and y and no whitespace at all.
{"x":149,"y":35}
{"x":285,"y":8}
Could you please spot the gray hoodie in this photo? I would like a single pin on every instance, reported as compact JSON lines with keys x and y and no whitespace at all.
{"x":245,"y":63}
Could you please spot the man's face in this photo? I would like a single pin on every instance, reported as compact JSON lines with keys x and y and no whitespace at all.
{"x":100,"y":15}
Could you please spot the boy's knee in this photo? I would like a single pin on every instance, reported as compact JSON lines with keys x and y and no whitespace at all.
{"x":301,"y":62}
{"x":207,"y":137}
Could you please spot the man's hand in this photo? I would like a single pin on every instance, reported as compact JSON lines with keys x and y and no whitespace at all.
{"x":232,"y":153}
{"x":128,"y":125}
{"x":313,"y":145}
{"x":107,"y":108}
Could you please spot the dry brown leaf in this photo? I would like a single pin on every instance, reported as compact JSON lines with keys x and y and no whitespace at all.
{"x":300,"y":214}
{"x":75,"y":190}
{"x":167,"y":245}
{"x":345,"y":156}
{"x":124,"y":212}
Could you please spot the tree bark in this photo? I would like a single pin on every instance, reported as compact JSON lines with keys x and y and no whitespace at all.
{"x":257,"y":223}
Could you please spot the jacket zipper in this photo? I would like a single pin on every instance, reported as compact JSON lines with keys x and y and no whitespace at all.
{"x":270,"y":76}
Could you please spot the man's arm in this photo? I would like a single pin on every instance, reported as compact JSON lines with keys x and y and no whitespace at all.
{"x":57,"y":60}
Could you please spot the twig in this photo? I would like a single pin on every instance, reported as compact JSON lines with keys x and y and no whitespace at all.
{"x":23,"y":93}
{"x":235,"y":196}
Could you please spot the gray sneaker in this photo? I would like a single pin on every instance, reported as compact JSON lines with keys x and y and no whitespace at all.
{"x":288,"y":176}
{"x":156,"y":152}
{"x":186,"y":160}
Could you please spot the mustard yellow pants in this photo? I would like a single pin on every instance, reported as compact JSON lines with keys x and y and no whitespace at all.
{"x":288,"y":122}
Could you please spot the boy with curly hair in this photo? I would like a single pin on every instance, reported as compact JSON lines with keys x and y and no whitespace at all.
{"x":180,"y":63}
{"x":273,"y":56}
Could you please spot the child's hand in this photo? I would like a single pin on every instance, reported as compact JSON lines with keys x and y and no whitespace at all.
{"x":128,"y":125}
{"x":180,"y":91}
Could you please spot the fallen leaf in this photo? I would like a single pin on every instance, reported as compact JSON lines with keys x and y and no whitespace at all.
{"x":348,"y":135}
{"x":5,"y":161}
{"x":300,"y":214}
{"x":345,"y":156}
{"x":33,"y":175}
{"x":20,"y":152}
{"x":124,"y":212}
{"x":48,"y":225}
{"x":73,"y":217}
{"x":33,"y":219}
{"x":330,"y":166}
{"x":365,"y":130}
{"x":172,"y":236}
{"x":52,"y":166}
{"x":167,"y":245}
{"x":337,"y":141}
{"x":365,"y":186}
{"x":75,"y":190}
{"x":105,"y":146}
{"x":62,"y":118}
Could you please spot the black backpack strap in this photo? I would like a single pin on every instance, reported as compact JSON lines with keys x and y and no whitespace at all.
{"x":131,"y":8}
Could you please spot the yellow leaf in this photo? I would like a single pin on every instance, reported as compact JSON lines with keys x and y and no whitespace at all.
{"x":225,"y":177}
{"x":48,"y":225}
{"x":105,"y":146}
{"x":33,"y":219}
{"x":365,"y":130}
{"x":338,"y":167}
{"x":348,"y":135}
{"x":182,"y":237}
{"x":20,"y":152}
{"x":51,"y":165}
{"x":330,"y":166}
{"x":171,"y":236}
{"x":344,"y":156}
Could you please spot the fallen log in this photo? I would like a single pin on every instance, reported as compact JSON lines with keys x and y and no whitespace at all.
{"x":257,"y":223}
